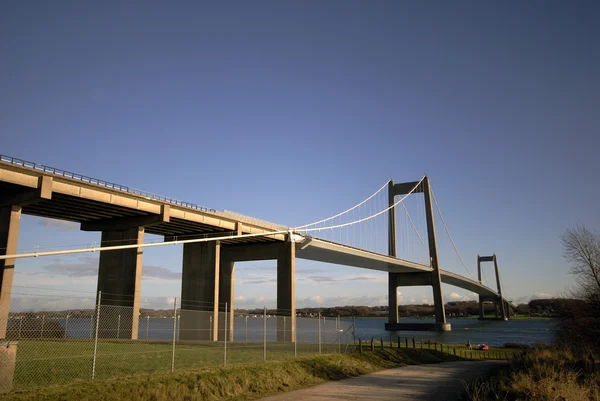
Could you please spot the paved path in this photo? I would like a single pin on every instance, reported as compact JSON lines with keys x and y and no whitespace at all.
{"x":435,"y":382}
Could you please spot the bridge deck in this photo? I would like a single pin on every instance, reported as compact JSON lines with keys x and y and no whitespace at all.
{"x":84,"y":200}
{"x":331,"y":252}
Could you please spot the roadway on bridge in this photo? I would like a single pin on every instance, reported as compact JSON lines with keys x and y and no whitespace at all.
{"x":443,"y":381}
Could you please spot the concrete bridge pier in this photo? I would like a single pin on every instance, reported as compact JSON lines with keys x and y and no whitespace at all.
{"x":226,"y":284}
{"x":11,"y":206}
{"x":10,"y":220}
{"x":120,"y":272}
{"x":285,"y":254}
{"x":286,"y":292}
{"x":208,"y":283}
{"x":119,"y":280}
{"x":199,"y":319}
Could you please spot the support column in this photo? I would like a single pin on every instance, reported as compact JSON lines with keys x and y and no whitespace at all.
{"x":392,"y":277}
{"x":120,"y":279}
{"x":502,"y":307}
{"x":226,"y":294}
{"x":436,"y":279}
{"x":481,"y":309}
{"x":200,"y":291}
{"x":10,"y":220}
{"x":286,"y":292}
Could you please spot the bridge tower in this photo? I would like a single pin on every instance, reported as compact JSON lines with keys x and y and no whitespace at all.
{"x":500,"y":306}
{"x":432,"y":278}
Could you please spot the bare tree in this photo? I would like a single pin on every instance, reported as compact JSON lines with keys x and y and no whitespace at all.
{"x":582,"y":249}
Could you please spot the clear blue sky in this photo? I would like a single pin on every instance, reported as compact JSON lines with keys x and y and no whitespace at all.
{"x":291,"y":111}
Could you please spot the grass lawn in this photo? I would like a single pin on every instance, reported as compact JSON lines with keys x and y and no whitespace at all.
{"x":244,"y":381}
{"x":47,"y":362}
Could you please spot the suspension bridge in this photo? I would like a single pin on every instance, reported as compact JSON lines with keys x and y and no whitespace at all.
{"x":393,"y":231}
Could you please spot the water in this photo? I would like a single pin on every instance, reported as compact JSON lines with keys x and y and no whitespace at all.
{"x":495,"y":333}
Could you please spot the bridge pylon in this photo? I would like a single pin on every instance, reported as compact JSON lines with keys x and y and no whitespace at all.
{"x":432,"y":278}
{"x":501,"y":309}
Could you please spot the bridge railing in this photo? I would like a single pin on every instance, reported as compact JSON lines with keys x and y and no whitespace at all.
{"x":251,"y":220}
{"x":95,"y":181}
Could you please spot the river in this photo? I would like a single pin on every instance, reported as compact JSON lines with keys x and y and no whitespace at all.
{"x":491,"y":332}
{"x":495,"y":333}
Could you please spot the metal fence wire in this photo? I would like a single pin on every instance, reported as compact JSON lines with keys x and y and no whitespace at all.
{"x":107,"y":341}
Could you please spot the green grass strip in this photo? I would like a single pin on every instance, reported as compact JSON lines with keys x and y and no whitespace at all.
{"x":240,"y":382}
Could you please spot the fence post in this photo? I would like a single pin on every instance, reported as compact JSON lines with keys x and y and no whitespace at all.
{"x":92,"y":326}
{"x":96,"y":336}
{"x":147,"y":326}
{"x":20,"y":325}
{"x":372,"y":344}
{"x":391,"y":343}
{"x":174,"y":334}
{"x":210,"y":324}
{"x":406,"y":342}
{"x":295,"y":339}
{"x":246,"y":341}
{"x":354,"y":330}
{"x":66,"y":325}
{"x":399,"y":341}
{"x":381,"y":342}
{"x":324,"y":332}
{"x":319,"y":332}
{"x":454,"y":351}
{"x":118,"y":326}
{"x":265,"y":334}
{"x":225,"y":338}
{"x":414,"y":345}
{"x":42,"y":329}
{"x":359,"y":345}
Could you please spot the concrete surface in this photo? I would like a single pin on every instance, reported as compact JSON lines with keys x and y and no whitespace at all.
{"x":437,"y":382}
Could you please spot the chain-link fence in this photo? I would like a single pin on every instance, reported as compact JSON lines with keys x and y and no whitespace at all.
{"x":108,"y":340}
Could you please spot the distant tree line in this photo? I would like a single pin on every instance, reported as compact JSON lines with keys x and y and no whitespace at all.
{"x":537,"y":307}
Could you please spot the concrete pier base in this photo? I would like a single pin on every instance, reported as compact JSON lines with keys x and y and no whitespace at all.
{"x":8,"y":358}
{"x":119,"y":280}
{"x":426,"y":326}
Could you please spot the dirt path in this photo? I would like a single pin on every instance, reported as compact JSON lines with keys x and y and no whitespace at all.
{"x":437,"y":382}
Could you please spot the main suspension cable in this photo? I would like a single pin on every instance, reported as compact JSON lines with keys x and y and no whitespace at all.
{"x":448,"y":232}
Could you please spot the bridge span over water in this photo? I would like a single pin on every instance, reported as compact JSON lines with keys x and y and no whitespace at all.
{"x":212,"y":242}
